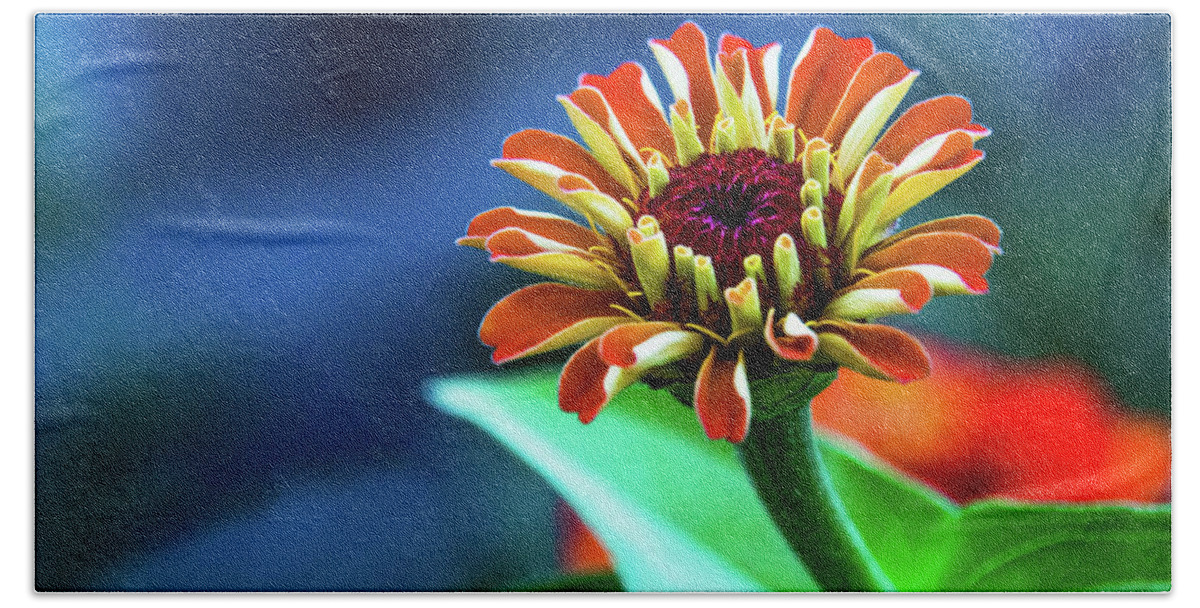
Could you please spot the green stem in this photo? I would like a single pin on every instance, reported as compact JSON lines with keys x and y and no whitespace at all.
{"x":781,"y":455}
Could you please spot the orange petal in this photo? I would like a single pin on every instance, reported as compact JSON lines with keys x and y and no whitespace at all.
{"x":875,"y":74}
{"x":1141,"y":458}
{"x":636,"y":105}
{"x":820,"y":76}
{"x":617,"y":346}
{"x":873,"y":350}
{"x":735,"y":65}
{"x":577,"y":548}
{"x":910,"y":283}
{"x":547,"y":316}
{"x":573,"y":190}
{"x":515,"y":242}
{"x":722,"y":397}
{"x":591,"y":377}
{"x":975,"y":225}
{"x":764,"y":64}
{"x":564,"y":153}
{"x":798,"y":342}
{"x":953,"y":150}
{"x":864,"y":199}
{"x":529,"y":252}
{"x":588,"y":383}
{"x":591,"y":101}
{"x":894,"y":291}
{"x":546,"y":225}
{"x":956,"y":153}
{"x":908,"y":190}
{"x":924,"y":120}
{"x":964,"y":254}
{"x":688,"y":47}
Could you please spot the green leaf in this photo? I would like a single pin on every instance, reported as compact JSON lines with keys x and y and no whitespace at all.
{"x":679,"y":514}
{"x":676,"y":510}
{"x":926,"y":543}
{"x":905,"y":524}
{"x":1047,"y":547}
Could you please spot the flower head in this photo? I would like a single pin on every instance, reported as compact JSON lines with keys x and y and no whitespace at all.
{"x":722,"y":240}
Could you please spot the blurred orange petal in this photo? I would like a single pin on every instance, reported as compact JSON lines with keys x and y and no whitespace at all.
{"x":986,"y":426}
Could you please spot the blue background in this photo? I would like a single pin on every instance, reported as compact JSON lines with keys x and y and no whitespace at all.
{"x":245,"y":267}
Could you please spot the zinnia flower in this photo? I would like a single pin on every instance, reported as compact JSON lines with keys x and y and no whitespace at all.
{"x":723,"y":241}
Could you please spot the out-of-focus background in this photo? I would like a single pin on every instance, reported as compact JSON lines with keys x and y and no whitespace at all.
{"x":245,"y":268}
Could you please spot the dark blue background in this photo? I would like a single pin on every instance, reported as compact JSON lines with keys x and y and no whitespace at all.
{"x":245,"y":268}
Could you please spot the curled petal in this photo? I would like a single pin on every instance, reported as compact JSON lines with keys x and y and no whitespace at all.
{"x":879,"y":72}
{"x":688,"y":146}
{"x":589,"y":110}
{"x":820,"y":76}
{"x":891,"y":292}
{"x":927,"y":169}
{"x":722,"y":397}
{"x":947,"y":282}
{"x":588,"y":383}
{"x":977,"y":226}
{"x":739,"y":99}
{"x":866,"y":197}
{"x":514,"y":242}
{"x":963,"y":254}
{"x":572,"y":190}
{"x":535,"y":144}
{"x":636,"y":105}
{"x":604,"y":147}
{"x":735,"y":63}
{"x":684,"y":60}
{"x":797,"y":342}
{"x":591,"y":377}
{"x":548,"y":316}
{"x":877,"y":351}
{"x":648,"y":344}
{"x":546,"y":225}
{"x":870,"y":121}
{"x":925,"y":120}
{"x":532,"y":253}
{"x":939,"y":153}
{"x":764,"y":68}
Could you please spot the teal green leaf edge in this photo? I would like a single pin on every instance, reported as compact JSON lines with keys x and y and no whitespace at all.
{"x":904,"y":523}
{"x":678,"y":513}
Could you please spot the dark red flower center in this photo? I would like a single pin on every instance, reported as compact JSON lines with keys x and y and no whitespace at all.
{"x":729,"y":206}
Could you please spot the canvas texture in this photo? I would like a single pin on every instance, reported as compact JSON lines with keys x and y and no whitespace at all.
{"x":604,"y":302}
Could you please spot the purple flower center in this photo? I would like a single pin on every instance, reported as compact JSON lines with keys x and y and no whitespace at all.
{"x":729,"y":206}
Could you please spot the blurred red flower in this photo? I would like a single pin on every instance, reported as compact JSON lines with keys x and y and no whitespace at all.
{"x":988,"y":426}
{"x":982,"y":426}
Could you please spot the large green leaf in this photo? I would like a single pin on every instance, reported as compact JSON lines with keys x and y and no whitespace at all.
{"x":905,"y":524}
{"x":676,"y":510}
{"x":679,"y":514}
{"x":1046,"y":547}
